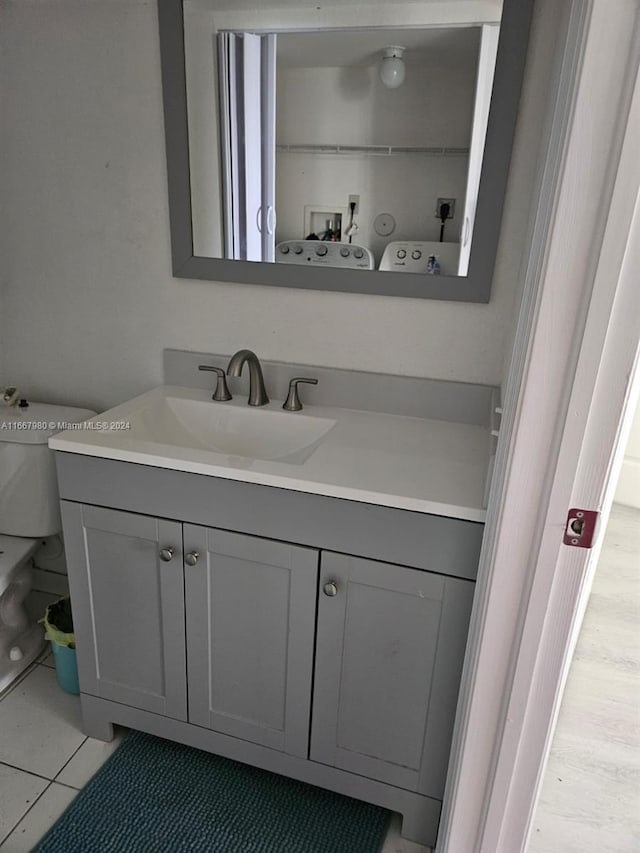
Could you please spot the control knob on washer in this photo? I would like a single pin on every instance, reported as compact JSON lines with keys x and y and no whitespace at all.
{"x":416,"y":254}
{"x":358,"y":253}
{"x":297,"y":250}
{"x":321,"y":251}
{"x":401,"y":254}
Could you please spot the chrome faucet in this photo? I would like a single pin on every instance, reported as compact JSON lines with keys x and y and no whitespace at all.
{"x":257,"y":393}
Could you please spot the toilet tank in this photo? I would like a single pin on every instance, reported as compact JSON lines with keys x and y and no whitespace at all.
{"x":28,"y":485}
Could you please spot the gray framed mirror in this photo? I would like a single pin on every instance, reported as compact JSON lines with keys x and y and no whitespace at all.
{"x":332,"y":216}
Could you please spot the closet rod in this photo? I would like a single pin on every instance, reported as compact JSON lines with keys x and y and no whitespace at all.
{"x":383,"y":150}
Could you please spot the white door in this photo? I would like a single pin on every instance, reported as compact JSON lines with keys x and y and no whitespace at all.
{"x":484,"y":85}
{"x":568,"y":407}
{"x":247,"y":73}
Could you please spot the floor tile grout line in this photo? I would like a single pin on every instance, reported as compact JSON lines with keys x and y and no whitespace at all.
{"x":28,"y":772}
{"x":67,"y":785}
{"x":16,"y":825}
{"x":49,"y":781}
{"x":71,"y":757}
{"x":18,"y":680}
{"x":33,"y":666}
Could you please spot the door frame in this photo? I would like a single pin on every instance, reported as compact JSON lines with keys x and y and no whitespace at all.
{"x":569,"y":401}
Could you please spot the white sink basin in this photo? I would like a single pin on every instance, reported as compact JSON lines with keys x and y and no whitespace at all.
{"x":229,"y":428}
{"x":422,"y":465}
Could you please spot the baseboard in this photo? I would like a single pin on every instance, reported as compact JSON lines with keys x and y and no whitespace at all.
{"x":51,"y":582}
{"x":628,"y":488}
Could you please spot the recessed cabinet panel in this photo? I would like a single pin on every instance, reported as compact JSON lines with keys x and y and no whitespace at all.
{"x":387,"y":665}
{"x":251,"y":606}
{"x":133,"y":604}
{"x":382,"y":664}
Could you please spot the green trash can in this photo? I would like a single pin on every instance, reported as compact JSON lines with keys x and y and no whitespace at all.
{"x":58,"y":624}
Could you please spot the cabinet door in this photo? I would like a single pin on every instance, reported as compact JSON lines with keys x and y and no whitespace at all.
{"x":128,"y":607}
{"x":250,"y":628}
{"x":389,"y":655}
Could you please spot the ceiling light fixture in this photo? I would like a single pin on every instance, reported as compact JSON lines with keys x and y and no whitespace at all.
{"x":392,"y":68}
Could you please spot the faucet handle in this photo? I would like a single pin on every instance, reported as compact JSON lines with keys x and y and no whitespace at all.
{"x":222,"y":392}
{"x":292,"y":403}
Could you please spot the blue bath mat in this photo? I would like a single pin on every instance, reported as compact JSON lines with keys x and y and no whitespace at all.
{"x":155,"y":796}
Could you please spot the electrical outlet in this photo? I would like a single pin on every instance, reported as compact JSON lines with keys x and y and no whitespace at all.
{"x":354,"y":199}
{"x":452,"y":206}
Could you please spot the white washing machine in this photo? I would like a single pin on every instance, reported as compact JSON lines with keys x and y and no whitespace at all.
{"x":324,"y":253}
{"x":413,"y":256}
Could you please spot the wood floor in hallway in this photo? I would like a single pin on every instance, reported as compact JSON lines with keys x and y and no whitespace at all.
{"x":590,"y":798}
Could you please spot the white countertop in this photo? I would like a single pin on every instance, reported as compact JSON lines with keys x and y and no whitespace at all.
{"x":427,"y":466}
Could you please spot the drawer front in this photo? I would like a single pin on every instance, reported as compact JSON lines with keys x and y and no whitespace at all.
{"x":448,"y":546}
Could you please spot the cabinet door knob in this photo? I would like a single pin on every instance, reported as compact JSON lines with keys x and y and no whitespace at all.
{"x":192,"y":558}
{"x":330,"y":588}
{"x":166,"y":555}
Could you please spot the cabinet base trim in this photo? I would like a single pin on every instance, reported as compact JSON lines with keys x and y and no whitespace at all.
{"x":420,"y":814}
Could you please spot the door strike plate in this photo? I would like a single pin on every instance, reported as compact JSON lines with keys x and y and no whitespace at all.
{"x":580,"y":528}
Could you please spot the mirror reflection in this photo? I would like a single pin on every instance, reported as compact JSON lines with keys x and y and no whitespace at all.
{"x":356,"y":146}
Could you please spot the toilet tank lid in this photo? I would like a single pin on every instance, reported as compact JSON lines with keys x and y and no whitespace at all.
{"x":35,"y":423}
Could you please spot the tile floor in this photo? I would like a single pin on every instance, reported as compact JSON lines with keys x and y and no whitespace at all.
{"x":45,"y":759}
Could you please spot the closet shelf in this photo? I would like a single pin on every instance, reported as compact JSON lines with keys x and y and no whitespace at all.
{"x":380,"y":150}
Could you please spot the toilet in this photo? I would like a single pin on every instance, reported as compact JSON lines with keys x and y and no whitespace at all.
{"x":29,"y":512}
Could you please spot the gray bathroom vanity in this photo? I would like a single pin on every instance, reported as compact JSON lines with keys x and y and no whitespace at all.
{"x":314,"y":635}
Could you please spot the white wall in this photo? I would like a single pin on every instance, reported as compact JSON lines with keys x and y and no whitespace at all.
{"x":350,"y":106}
{"x":89,"y":301}
{"x":406,"y":186}
{"x":527,"y":159}
{"x":433,"y":107}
